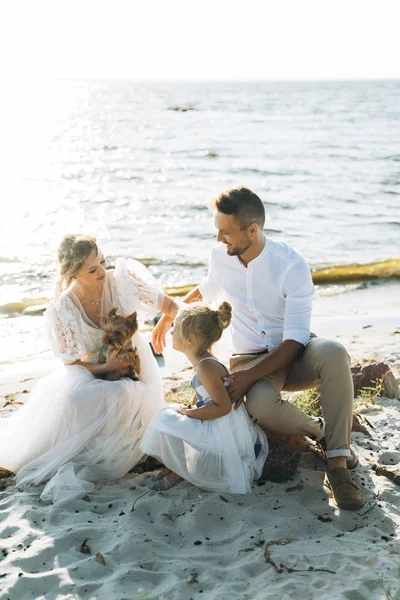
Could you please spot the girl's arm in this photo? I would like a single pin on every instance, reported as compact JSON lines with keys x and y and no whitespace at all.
{"x":170,"y":308}
{"x":210,"y":375}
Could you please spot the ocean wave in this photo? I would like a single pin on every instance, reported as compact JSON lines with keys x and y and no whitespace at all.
{"x":152,"y":262}
{"x":394,"y":157}
{"x":9,"y":260}
{"x":266,"y":173}
{"x":182,"y":108}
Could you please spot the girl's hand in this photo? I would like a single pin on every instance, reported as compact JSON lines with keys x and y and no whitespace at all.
{"x":159,"y":332}
{"x":115,"y":364}
{"x":183,"y":410}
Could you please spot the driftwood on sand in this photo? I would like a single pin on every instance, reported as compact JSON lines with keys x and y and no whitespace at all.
{"x":391,"y":473}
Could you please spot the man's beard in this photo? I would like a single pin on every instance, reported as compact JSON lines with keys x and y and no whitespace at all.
{"x":237,"y":250}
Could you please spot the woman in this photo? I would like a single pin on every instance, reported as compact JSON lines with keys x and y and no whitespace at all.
{"x":76,"y":428}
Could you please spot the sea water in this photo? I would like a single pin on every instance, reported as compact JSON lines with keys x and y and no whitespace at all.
{"x":136,"y":163}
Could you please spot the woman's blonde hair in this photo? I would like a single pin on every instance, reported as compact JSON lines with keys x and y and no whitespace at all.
{"x":74,"y":249}
{"x":204,"y":324}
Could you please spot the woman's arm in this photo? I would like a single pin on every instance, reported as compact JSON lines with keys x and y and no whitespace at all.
{"x":93,"y":368}
{"x":210,"y":375}
{"x":170,"y":308}
{"x":110,"y":366}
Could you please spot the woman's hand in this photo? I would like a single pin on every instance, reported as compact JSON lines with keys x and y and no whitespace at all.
{"x":114,"y":363}
{"x":184,"y":410}
{"x":159,"y":332}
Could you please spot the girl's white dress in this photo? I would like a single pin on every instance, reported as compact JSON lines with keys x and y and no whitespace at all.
{"x":224,"y":454}
{"x":76,"y":429}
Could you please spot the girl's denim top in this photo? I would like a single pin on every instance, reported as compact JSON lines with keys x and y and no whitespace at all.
{"x":203,"y":397}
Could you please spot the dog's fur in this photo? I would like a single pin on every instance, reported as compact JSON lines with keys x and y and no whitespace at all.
{"x":118,"y":332}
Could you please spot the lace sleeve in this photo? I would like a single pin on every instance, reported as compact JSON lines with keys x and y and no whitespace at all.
{"x":136,"y":288}
{"x":63,"y":330}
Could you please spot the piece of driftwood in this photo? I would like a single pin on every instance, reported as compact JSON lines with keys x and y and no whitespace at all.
{"x":359,"y":427}
{"x":391,"y":473}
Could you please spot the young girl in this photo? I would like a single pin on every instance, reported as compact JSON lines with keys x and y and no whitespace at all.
{"x":212,"y":445}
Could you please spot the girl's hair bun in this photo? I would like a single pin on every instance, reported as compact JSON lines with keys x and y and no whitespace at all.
{"x":224,"y":313}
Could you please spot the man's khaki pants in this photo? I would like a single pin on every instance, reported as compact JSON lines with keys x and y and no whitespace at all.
{"x":324,"y":364}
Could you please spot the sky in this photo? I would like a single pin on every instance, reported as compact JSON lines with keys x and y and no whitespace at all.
{"x":211,"y":39}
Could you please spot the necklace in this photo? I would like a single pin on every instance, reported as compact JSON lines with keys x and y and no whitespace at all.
{"x":82,"y":299}
{"x":90,"y":302}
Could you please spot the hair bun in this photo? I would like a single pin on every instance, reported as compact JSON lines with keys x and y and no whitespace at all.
{"x":224,"y":313}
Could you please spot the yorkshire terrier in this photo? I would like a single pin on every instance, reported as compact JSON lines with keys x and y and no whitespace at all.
{"x":118,"y":332}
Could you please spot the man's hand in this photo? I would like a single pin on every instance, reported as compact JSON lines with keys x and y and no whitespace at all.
{"x":240,"y":383}
{"x":159,"y":332}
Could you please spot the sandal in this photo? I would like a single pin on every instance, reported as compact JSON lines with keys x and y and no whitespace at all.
{"x":156,"y":476}
{"x":164,"y":484}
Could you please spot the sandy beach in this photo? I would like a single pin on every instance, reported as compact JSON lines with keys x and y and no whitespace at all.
{"x":281,"y":542}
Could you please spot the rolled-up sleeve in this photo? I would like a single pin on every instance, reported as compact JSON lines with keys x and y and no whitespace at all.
{"x":209,"y":288}
{"x":298,"y":290}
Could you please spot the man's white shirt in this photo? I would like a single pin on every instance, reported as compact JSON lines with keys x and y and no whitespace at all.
{"x":271,"y":298}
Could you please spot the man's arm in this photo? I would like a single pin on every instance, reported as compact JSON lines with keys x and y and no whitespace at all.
{"x":298,"y":291}
{"x":279,"y":358}
{"x":160,"y":331}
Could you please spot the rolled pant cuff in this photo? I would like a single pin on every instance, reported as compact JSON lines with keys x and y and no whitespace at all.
{"x":340,"y":452}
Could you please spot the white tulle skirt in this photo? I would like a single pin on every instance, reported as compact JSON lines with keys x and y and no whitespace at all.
{"x":76,"y":430}
{"x":216,"y":455}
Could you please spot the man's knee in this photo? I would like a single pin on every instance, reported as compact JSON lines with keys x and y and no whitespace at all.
{"x":332,"y":352}
{"x":260,"y":399}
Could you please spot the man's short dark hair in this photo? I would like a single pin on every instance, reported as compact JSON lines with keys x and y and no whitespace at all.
{"x":244,"y":204}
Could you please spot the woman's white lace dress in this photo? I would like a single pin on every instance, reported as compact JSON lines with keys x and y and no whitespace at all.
{"x":76,"y":429}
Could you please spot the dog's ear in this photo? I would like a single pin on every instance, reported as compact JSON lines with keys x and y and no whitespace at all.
{"x":133,"y":315}
{"x":112,"y":312}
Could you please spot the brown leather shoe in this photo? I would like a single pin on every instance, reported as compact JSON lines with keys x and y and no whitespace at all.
{"x":345,"y":493}
{"x":351,"y":461}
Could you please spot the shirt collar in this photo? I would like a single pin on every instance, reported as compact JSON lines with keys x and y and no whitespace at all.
{"x":257,"y":259}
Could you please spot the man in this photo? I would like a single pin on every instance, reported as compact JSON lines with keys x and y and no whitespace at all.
{"x":270,"y":288}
